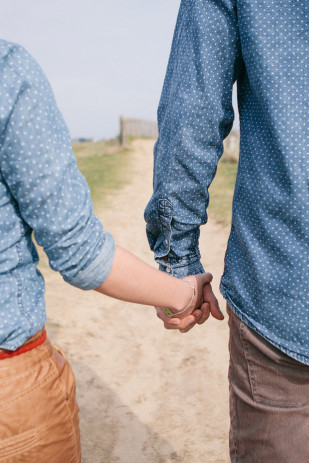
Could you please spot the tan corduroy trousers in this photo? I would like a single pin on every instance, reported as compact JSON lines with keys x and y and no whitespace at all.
{"x":38,"y":410}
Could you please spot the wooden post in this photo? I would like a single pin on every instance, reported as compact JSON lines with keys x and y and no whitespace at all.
{"x":122,"y":131}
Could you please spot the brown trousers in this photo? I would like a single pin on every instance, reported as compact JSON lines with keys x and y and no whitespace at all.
{"x":38,"y":409}
{"x":269,"y":400}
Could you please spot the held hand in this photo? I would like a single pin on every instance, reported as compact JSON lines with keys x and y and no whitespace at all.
{"x":198,"y":311}
{"x":184,"y":324}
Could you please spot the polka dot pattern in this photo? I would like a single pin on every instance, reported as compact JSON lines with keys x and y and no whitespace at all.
{"x":264,"y":46}
{"x":41,"y":190}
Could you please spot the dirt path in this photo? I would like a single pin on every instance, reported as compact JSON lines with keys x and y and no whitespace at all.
{"x":146,"y":395}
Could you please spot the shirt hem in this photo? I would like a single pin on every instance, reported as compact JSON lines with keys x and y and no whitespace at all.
{"x":302,"y":358}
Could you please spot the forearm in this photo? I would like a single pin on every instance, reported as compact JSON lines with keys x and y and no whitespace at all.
{"x":133,"y":280}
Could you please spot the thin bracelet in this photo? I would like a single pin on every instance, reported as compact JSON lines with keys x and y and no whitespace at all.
{"x":170,"y":314}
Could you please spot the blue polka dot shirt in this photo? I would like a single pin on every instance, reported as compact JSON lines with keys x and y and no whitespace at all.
{"x":41,"y":190}
{"x":264,"y":46}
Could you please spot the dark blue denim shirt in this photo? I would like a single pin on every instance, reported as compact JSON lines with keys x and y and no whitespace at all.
{"x":41,"y":190}
{"x":264,"y":46}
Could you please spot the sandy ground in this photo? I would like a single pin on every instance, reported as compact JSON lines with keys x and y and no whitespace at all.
{"x":147,"y":395}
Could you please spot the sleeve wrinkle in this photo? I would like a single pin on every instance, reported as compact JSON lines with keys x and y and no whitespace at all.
{"x":40,"y":170}
{"x":195,"y":114}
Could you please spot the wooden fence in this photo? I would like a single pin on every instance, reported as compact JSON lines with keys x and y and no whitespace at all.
{"x":142,"y":128}
{"x":137,"y":128}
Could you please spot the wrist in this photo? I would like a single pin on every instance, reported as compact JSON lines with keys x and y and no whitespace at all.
{"x":186,"y":296}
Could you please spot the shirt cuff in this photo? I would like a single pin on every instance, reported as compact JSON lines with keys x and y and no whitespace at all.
{"x":97,"y":272}
{"x":182,"y":267}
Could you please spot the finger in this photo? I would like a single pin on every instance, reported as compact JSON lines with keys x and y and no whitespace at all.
{"x":202,"y":313}
{"x":187,"y":328}
{"x":183,"y":325}
{"x":214,"y":305}
{"x":169,"y":323}
{"x":197,"y":314}
{"x":187,"y":323}
{"x":209,"y":297}
{"x":205,"y":309}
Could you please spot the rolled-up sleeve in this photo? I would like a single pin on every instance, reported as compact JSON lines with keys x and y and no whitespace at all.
{"x":195,"y":114}
{"x":39,"y":167}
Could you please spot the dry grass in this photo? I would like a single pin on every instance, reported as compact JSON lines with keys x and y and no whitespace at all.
{"x":105,"y":165}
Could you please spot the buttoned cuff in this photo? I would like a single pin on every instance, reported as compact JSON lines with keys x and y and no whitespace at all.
{"x":97,"y":272}
{"x":183,"y":266}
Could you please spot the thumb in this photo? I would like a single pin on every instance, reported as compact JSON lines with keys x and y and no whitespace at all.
{"x":204,"y":278}
{"x":201,"y":279}
{"x":209,"y":297}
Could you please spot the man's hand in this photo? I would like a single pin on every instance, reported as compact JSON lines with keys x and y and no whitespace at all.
{"x":205,"y":304}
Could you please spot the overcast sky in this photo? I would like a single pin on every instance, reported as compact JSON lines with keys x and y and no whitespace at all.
{"x":103,"y":58}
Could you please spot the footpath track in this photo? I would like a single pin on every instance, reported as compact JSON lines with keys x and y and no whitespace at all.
{"x":146,"y":395}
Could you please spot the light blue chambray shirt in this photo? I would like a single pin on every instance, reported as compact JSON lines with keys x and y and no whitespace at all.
{"x":41,"y":190}
{"x":264,"y":46}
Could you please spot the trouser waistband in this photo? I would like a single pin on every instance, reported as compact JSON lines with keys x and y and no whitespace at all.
{"x":36,"y":340}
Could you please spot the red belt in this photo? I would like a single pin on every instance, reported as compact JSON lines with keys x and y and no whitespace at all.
{"x":32,"y":342}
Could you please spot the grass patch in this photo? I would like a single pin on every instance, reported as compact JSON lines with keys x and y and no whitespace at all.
{"x":221,"y":192}
{"x":105,"y":166}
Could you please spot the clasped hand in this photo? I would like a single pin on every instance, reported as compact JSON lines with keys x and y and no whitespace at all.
{"x":204,"y":304}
